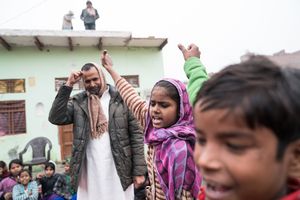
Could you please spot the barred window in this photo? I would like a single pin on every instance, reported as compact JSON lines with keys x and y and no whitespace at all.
{"x":12,"y":117}
{"x":60,"y":81}
{"x":12,"y":86}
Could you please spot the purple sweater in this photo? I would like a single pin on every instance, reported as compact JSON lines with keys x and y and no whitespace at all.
{"x":6,"y":185}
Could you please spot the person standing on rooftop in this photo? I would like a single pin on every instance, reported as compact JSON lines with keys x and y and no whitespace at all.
{"x":67,"y":21}
{"x":89,"y":15}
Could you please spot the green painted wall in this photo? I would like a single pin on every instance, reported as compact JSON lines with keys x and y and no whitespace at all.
{"x":42,"y":67}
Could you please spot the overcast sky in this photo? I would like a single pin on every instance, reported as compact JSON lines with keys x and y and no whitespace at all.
{"x":223,"y":29}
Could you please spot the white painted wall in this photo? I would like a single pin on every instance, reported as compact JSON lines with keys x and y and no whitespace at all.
{"x":42,"y":67}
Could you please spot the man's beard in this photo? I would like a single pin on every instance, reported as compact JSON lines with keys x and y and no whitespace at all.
{"x":94,"y":90}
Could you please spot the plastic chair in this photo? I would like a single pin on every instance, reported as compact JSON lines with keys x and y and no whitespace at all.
{"x":39,"y":156}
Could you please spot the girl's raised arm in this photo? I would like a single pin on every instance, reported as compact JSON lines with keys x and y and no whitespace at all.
{"x":134,"y":102}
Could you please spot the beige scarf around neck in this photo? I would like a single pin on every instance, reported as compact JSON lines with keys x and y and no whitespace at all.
{"x":98,"y":121}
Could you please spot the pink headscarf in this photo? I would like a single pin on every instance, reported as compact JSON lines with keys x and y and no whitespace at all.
{"x":174,"y":150}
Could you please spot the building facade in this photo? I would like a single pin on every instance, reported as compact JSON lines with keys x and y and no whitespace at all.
{"x":34,"y":64}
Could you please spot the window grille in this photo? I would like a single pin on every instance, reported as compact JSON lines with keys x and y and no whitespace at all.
{"x":12,"y":117}
{"x":12,"y":86}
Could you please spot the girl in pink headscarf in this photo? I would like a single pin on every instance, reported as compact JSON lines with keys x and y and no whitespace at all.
{"x":169,"y":134}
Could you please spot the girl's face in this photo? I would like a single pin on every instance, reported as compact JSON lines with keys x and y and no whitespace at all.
{"x":15,"y":169}
{"x":25,"y":178}
{"x":49,"y":171}
{"x":163,"y":109}
{"x":235,"y":161}
{"x":1,"y":171}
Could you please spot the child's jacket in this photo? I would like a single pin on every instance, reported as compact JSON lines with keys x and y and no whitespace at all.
{"x":196,"y":73}
{"x":48,"y":184}
{"x":294,"y":189}
{"x":62,"y":187}
{"x":32,"y":193}
{"x":4,"y":175}
{"x":6,"y":185}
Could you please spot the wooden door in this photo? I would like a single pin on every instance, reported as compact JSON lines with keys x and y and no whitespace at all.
{"x":65,"y":140}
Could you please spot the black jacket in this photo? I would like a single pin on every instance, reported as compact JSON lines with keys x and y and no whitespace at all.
{"x":126,"y":138}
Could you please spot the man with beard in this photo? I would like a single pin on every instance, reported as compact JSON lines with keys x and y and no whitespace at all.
{"x":108,"y":150}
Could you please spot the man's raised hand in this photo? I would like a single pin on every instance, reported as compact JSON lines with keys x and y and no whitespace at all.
{"x":74,"y":78}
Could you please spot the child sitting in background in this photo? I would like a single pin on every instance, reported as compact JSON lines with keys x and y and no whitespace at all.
{"x":48,"y":181}
{"x":63,"y":185}
{"x":67,"y":176}
{"x":68,"y":180}
{"x":3,"y":170}
{"x":27,"y":189}
{"x":7,"y":184}
{"x":248,"y":131}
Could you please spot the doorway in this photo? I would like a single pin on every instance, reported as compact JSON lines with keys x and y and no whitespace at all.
{"x":65,"y":140}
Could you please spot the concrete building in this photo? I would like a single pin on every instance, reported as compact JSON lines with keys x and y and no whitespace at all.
{"x":34,"y":63}
{"x":281,"y":58}
{"x":286,"y":59}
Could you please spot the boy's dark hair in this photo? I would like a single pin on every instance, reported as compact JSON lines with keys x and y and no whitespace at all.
{"x":15,"y":161}
{"x":172,"y":91}
{"x":51,"y":165}
{"x":260,"y":92}
{"x":26,"y":170}
{"x":2,"y":164}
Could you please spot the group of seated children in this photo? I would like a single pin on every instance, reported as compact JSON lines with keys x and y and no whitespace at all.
{"x":18,"y":184}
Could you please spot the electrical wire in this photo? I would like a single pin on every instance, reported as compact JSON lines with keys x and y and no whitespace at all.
{"x":23,"y":13}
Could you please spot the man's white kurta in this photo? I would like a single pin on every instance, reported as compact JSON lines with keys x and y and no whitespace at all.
{"x":99,"y":179}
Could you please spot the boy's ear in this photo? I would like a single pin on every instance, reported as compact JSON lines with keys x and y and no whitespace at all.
{"x":294,"y":165}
